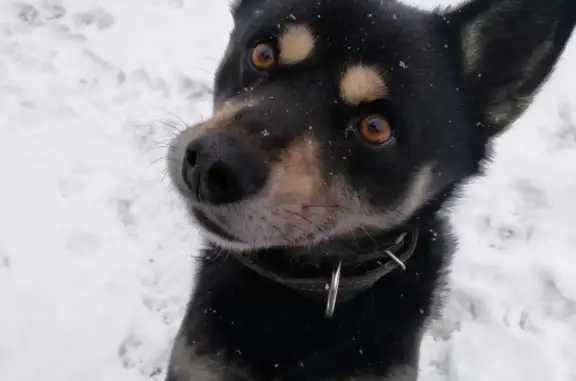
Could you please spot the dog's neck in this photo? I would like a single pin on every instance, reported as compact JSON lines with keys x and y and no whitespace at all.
{"x":336,"y":271}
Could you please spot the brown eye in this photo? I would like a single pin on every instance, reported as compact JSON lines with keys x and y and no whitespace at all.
{"x":375,"y":130}
{"x":263,"y":57}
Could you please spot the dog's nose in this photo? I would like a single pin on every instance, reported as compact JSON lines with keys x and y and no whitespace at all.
{"x":219,"y":170}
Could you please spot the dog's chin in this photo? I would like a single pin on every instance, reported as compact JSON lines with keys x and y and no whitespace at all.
{"x":215,"y":233}
{"x":219,"y":236}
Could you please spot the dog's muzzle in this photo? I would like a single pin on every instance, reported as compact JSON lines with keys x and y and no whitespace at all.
{"x":219,"y":170}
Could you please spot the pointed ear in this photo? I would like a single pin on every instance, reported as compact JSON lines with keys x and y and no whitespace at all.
{"x":508,"y":49}
{"x":236,"y":6}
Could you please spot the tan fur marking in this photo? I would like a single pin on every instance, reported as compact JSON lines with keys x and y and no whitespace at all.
{"x":296,"y":44}
{"x":224,"y":117}
{"x":362,"y":215}
{"x":296,"y":176}
{"x":362,"y":84}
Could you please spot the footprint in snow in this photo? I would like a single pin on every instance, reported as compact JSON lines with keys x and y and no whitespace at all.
{"x":135,"y":354}
{"x":5,"y":261}
{"x":515,"y":220}
{"x":39,"y":15}
{"x":99,"y":17}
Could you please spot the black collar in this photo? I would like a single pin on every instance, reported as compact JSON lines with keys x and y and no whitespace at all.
{"x":349,"y":276}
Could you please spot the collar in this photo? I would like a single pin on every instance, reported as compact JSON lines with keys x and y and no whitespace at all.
{"x":349,"y":276}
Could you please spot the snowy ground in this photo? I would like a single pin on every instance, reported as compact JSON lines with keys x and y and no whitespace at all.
{"x":96,"y":256}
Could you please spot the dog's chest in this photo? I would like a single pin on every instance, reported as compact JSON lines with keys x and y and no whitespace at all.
{"x":286,"y":341}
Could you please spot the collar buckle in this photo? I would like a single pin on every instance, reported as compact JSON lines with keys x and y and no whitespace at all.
{"x":339,"y":288}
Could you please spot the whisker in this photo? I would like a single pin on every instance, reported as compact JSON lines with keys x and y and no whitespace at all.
{"x":281,"y":233}
{"x":306,"y":219}
{"x":211,"y":59}
{"x":165,"y":172}
{"x":321,"y":206}
{"x":202,"y":70}
{"x":174,"y":127}
{"x":370,"y":236}
{"x":177,"y":117}
{"x":155,"y":125}
{"x":164,"y":122}
{"x":160,"y":145}
{"x":155,"y":161}
{"x":309,"y":205}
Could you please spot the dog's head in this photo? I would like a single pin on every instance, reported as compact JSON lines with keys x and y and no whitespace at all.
{"x":332,"y":116}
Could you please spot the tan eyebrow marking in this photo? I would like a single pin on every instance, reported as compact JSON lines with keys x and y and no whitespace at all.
{"x":296,"y":44}
{"x":362,"y":83}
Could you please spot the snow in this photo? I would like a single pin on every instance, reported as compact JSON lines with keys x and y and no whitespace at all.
{"x":96,"y":256}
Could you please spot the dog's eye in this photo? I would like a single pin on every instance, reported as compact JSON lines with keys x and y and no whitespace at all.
{"x":263,"y":57}
{"x":375,"y":130}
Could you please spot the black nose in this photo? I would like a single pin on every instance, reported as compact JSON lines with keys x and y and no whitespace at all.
{"x":219,"y":170}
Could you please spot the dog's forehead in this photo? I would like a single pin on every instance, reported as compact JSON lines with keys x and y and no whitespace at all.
{"x":334,"y":50}
{"x":254,"y":9}
{"x":347,"y":28}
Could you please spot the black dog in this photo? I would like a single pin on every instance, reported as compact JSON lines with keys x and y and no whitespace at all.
{"x":341,"y":130}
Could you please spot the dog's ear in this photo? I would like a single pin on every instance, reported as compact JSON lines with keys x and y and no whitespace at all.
{"x":508,"y":48}
{"x":237,"y":5}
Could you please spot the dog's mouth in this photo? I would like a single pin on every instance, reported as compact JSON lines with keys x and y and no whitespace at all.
{"x":212,"y":228}
{"x":267,"y":220}
{"x":252,"y":226}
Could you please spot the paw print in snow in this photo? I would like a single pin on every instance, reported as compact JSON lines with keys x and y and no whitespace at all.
{"x":5,"y":262}
{"x":128,"y":351}
{"x":140,"y":353}
{"x":29,"y":15}
{"x":565,"y":135}
{"x":99,"y":17}
{"x":54,"y":11}
{"x":515,"y":219}
{"x":194,"y":89}
{"x":36,"y":16}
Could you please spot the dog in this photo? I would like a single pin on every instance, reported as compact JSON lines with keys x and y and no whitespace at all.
{"x":341,"y":131}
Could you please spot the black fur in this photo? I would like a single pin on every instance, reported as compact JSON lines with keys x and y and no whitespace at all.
{"x":456,"y":79}
{"x":274,"y":333}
